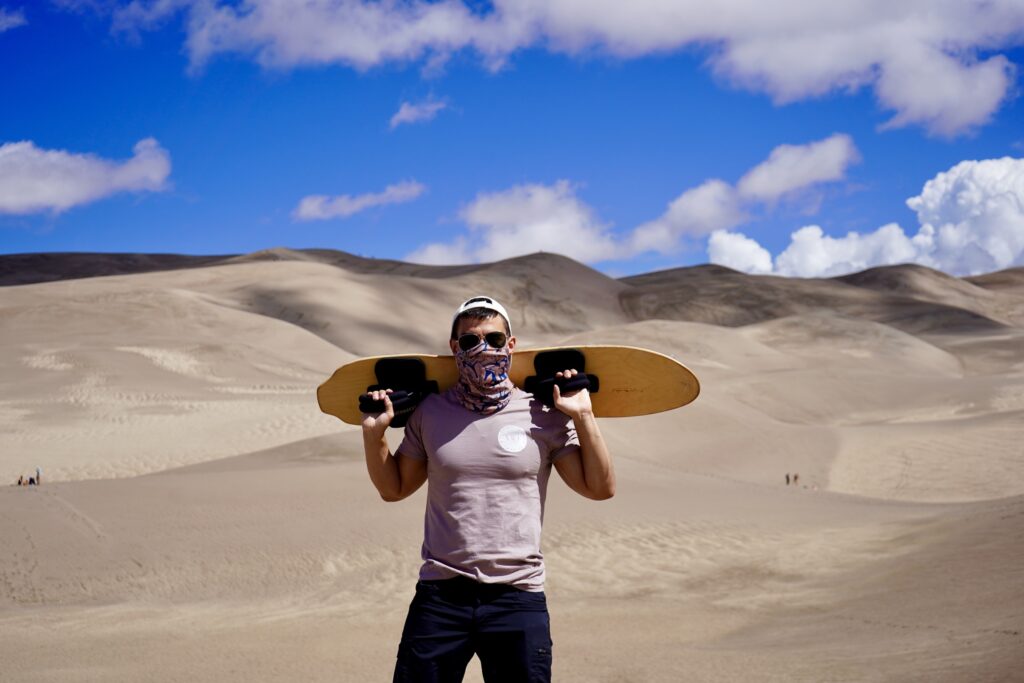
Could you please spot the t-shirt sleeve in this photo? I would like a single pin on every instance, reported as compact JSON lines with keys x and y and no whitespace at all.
{"x":564,"y":439}
{"x":412,"y":441}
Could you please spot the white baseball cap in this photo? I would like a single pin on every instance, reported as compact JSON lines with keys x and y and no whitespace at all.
{"x":483,"y":302}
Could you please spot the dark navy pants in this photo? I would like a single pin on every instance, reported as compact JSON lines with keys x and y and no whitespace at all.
{"x":449,"y":621}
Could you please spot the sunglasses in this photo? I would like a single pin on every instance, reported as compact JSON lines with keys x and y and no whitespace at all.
{"x":496,"y":340}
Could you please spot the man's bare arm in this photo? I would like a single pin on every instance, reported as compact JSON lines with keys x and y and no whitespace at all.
{"x":590,"y":472}
{"x":394,"y":476}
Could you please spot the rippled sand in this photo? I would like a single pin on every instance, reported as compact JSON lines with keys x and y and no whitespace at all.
{"x":200,"y":520}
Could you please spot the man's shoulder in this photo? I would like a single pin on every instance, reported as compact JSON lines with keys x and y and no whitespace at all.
{"x":528,"y":409}
{"x":442,"y":406}
{"x":431,"y":403}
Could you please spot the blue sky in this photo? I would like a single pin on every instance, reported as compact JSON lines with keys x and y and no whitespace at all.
{"x":228,"y":127}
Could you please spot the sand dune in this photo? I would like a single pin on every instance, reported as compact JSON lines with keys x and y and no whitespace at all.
{"x":911,"y":298}
{"x":93,"y":368}
{"x":925,"y":284}
{"x":25,"y":269}
{"x":201,"y":520}
{"x":1009,"y":280}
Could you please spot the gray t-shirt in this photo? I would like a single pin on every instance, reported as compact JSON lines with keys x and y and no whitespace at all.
{"x":487,"y":479}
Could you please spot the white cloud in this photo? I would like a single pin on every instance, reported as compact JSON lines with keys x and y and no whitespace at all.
{"x":440,"y":254}
{"x":529,"y":218}
{"x":972,"y":216}
{"x":11,"y":19}
{"x":738,"y":252}
{"x":414,"y":113}
{"x":790,"y":168}
{"x":34,"y":180}
{"x":946,"y":94}
{"x":522,"y":220}
{"x":921,"y":57}
{"x":715,"y":205}
{"x":971,"y":221}
{"x":813,"y":254}
{"x":321,"y":207}
{"x":711,"y":206}
{"x":135,"y":15}
{"x":281,"y":33}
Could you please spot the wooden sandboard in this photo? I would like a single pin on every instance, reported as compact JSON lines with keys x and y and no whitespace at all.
{"x":632,"y":381}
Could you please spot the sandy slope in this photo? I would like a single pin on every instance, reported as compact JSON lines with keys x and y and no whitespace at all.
{"x":201,"y":521}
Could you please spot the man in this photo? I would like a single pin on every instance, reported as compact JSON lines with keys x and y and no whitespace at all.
{"x":485,"y":449}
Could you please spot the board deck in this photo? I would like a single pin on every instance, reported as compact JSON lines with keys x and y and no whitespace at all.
{"x":633,"y":381}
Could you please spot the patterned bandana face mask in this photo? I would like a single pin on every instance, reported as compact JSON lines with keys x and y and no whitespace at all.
{"x":484,"y":385}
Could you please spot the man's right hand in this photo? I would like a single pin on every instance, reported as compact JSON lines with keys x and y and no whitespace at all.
{"x":394,"y":476}
{"x":377,"y":423}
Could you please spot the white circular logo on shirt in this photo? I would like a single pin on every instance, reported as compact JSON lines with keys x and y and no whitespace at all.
{"x":512,"y":438}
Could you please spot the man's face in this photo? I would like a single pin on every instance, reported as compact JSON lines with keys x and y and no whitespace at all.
{"x":481,"y":328}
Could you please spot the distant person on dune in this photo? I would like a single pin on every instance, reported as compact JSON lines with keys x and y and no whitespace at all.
{"x":486,"y":450}
{"x":796,"y":479}
{"x":787,"y":478}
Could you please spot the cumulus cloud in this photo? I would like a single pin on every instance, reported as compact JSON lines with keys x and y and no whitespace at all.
{"x":971,"y":221}
{"x":34,"y":180}
{"x":522,"y":220}
{"x":972,"y":216}
{"x":811,"y":253}
{"x":738,"y":252}
{"x":414,"y":113}
{"x":11,"y":19}
{"x":931,"y":62}
{"x":322,"y":207}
